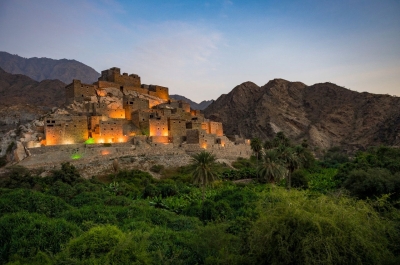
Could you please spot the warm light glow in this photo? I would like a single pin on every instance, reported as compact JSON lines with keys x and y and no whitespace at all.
{"x":105,"y":152}
{"x":120,"y":140}
{"x":204,"y":146}
{"x":110,"y":141}
{"x":68,"y":142}
{"x":101,"y":141}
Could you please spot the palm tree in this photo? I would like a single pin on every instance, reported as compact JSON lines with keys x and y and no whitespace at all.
{"x":281,"y":139}
{"x":268,"y":145}
{"x":272,"y":168}
{"x":202,"y":173}
{"x":305,"y":156}
{"x":291,"y":160}
{"x":256,"y":146}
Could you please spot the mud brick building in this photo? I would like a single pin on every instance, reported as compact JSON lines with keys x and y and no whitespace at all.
{"x":118,"y":107}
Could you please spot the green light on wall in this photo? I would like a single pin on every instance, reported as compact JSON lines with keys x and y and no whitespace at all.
{"x":89,"y":141}
{"x":76,"y":156}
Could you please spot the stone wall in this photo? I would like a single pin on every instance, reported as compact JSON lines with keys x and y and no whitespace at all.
{"x":114,"y":75}
{"x":177,"y":127}
{"x":216,"y":128}
{"x":78,"y":91}
{"x":66,"y":130}
{"x":158,"y":127}
{"x":111,"y":131}
{"x":159,"y":91}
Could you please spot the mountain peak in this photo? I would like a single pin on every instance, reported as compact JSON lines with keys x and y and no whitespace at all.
{"x":45,"y":68}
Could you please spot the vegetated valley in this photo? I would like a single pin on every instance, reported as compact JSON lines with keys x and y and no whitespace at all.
{"x":279,"y":207}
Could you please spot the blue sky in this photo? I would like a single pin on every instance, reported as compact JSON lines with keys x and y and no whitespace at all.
{"x":202,"y":49}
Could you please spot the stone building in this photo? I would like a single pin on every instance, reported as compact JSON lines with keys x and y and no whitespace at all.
{"x":118,"y":104}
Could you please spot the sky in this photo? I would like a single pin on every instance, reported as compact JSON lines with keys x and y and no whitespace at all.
{"x":202,"y":49}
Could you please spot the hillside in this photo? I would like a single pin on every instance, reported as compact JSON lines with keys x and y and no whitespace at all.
{"x":20,"y":89}
{"x":44,"y":68}
{"x":199,"y":106}
{"x":325,"y":114}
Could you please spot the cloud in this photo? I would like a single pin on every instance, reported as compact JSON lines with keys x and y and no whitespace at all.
{"x":174,"y":53}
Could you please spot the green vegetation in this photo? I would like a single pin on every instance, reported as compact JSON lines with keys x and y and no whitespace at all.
{"x":90,"y":141}
{"x":340,"y":210}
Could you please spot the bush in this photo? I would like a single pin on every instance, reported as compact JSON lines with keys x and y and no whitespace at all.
{"x":25,"y":234}
{"x":299,"y":179}
{"x":372,"y":183}
{"x":156,"y":168}
{"x":295,"y":229}
{"x":68,"y":174}
{"x":33,"y":202}
{"x":96,"y":242}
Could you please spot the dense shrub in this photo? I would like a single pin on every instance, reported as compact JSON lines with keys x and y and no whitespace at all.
{"x":373,"y":182}
{"x":156,"y":168}
{"x":294,"y":229}
{"x":32,"y":201}
{"x":25,"y":234}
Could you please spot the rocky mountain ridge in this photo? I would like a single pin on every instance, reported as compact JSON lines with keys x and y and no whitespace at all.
{"x":20,"y":89}
{"x":45,"y":68}
{"x":325,"y":114}
{"x":198,"y":106}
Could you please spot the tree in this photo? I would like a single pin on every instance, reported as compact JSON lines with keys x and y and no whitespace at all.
{"x":272,"y":168}
{"x":202,"y":173}
{"x":281,"y":140}
{"x":306,"y":158}
{"x":292,"y":162}
{"x":256,"y":146}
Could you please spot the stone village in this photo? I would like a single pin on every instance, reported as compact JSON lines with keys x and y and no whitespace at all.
{"x":118,"y":116}
{"x":118,"y":107}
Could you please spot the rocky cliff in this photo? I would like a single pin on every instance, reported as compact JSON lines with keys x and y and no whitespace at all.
{"x":44,"y":68}
{"x":325,"y":114}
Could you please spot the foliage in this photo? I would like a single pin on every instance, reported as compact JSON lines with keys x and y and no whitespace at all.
{"x":24,"y":234}
{"x":300,"y":179}
{"x":131,"y":218}
{"x":294,"y":229}
{"x":272,"y":168}
{"x":241,"y":163}
{"x":372,"y":182}
{"x":334,"y":157}
{"x":323,"y":180}
{"x":256,"y":146}
{"x":243,"y":173}
{"x":156,"y":168}
{"x":202,"y":173}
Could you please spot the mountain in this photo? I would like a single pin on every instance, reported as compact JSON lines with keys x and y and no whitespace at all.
{"x":325,"y":114}
{"x":199,"y":106}
{"x":44,"y":68}
{"x":20,"y":89}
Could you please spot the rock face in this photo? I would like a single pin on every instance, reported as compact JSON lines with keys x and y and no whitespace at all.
{"x":44,"y":68}
{"x":325,"y":114}
{"x":198,"y":106}
{"x":20,"y":89}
